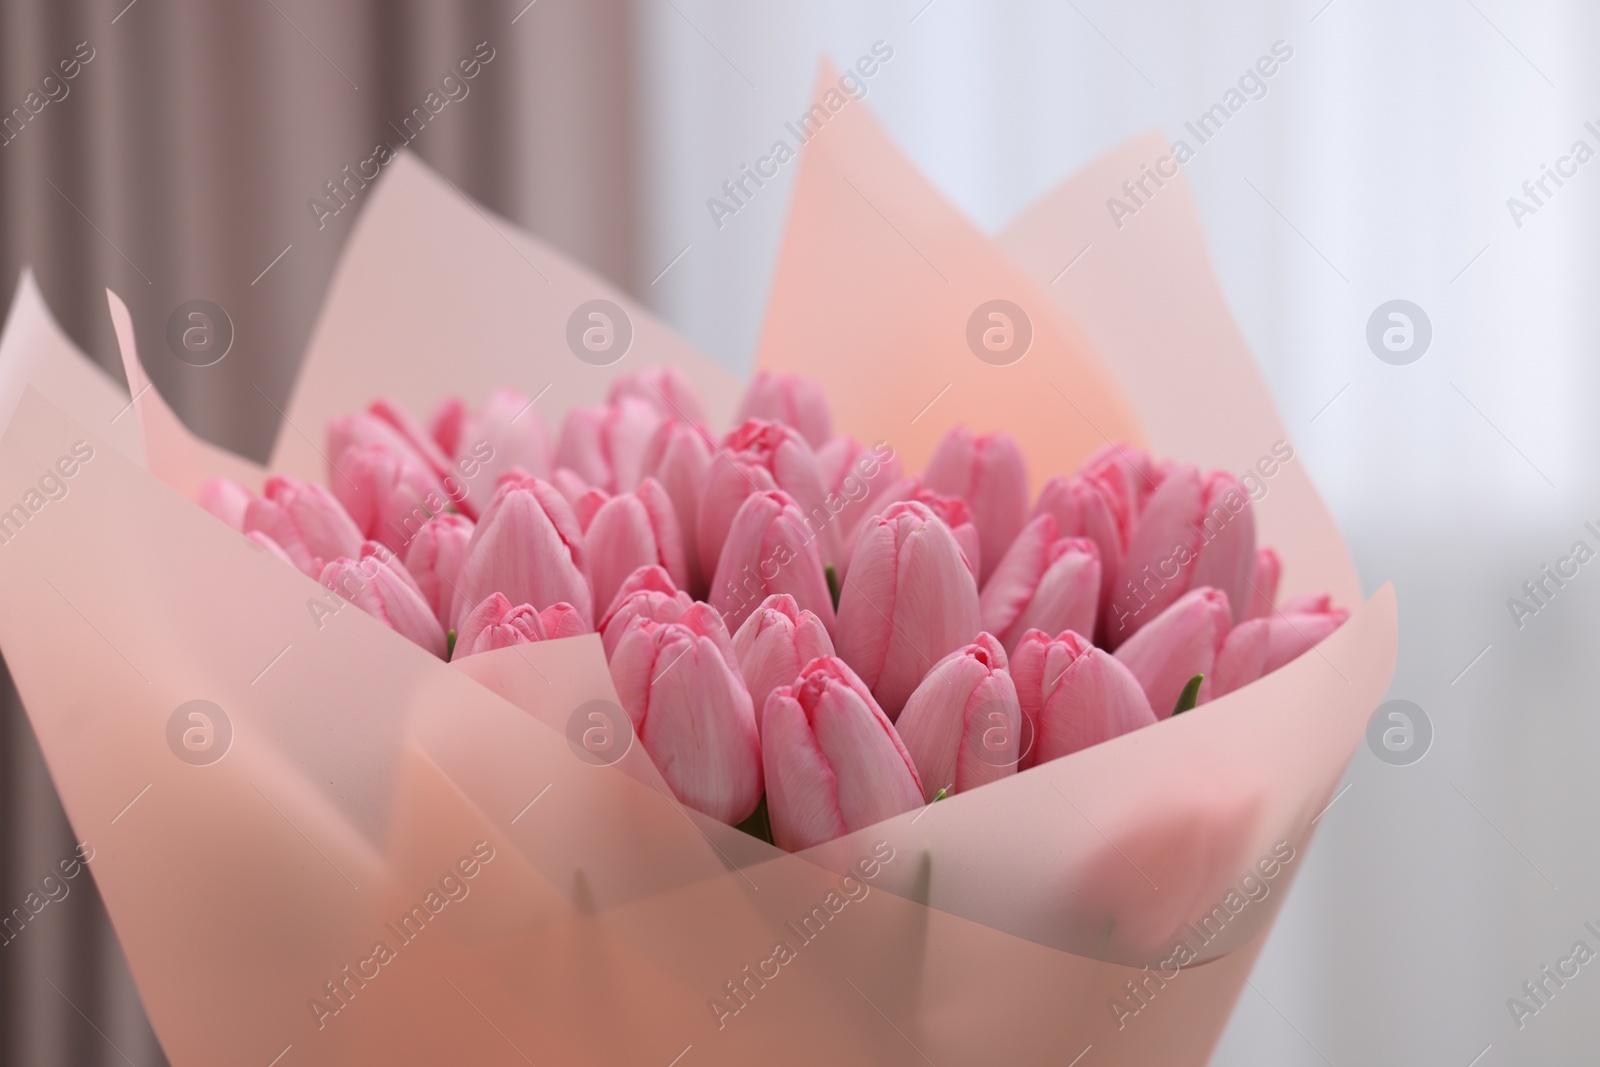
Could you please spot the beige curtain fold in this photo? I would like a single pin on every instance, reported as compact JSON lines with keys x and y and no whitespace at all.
{"x":177,"y":164}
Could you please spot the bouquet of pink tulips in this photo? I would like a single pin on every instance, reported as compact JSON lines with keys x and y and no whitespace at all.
{"x":787,"y":614}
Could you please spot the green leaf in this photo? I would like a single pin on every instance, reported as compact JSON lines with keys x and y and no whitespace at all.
{"x":1190,"y":695}
{"x":943,"y":792}
{"x":449,"y":644}
{"x":833,"y":584}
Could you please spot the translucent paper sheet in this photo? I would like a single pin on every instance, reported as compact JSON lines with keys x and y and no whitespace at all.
{"x":601,"y":922}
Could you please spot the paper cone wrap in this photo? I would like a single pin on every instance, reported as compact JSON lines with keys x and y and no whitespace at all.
{"x":612,"y":925}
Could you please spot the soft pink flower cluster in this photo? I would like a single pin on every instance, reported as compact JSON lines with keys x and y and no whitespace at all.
{"x":787,"y":614}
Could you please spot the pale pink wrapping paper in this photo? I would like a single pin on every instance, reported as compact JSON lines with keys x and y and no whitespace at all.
{"x":611,"y":919}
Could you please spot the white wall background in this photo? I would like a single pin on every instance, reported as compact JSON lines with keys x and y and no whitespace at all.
{"x":1390,"y":144}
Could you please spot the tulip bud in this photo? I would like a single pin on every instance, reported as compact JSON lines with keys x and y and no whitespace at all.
{"x":306,"y":522}
{"x":1044,"y":582}
{"x":496,"y":623}
{"x":1193,"y":531}
{"x":962,"y":725}
{"x":952,"y":509}
{"x":792,"y":400}
{"x":505,"y":434}
{"x":1264,"y":583}
{"x":859,"y":481}
{"x":434,"y":559}
{"x":833,"y":762}
{"x":679,"y":457}
{"x":667,"y":389}
{"x":1257,"y":647}
{"x":606,"y":445}
{"x":1178,"y":644}
{"x":769,"y":550}
{"x":759,"y":457}
{"x":1083,"y":507}
{"x":689,"y":707}
{"x":1074,"y":695}
{"x":908,"y":602}
{"x":527,"y":546}
{"x":774,"y":643}
{"x":227,"y":500}
{"x":633,"y":530}
{"x":378,"y":584}
{"x":389,"y":495}
{"x":989,"y":473}
{"x":647,"y":593}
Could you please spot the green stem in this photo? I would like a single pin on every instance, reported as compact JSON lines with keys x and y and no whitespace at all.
{"x":758,"y":825}
{"x":1190,"y":695}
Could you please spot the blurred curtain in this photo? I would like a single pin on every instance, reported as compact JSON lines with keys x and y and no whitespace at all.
{"x":178,"y":164}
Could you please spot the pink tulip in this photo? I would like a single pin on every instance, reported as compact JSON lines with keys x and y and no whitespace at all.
{"x":606,"y":445}
{"x":504,"y":434}
{"x":952,"y":509}
{"x":680,"y":685}
{"x":833,"y":762}
{"x":792,"y":400}
{"x":1074,"y":694}
{"x":667,"y":389}
{"x":679,"y":457}
{"x":434,"y":559}
{"x":268,"y":545}
{"x":1264,"y":583}
{"x":909,"y":600}
{"x":1178,"y":644}
{"x":769,"y":550}
{"x":378,"y":584}
{"x":962,"y":725}
{"x":570,"y":484}
{"x":1193,"y":531}
{"x":306,"y":522}
{"x":496,"y":623}
{"x":1127,"y":476}
{"x":989,"y":473}
{"x":1257,"y":647}
{"x":527,"y":546}
{"x":586,"y":505}
{"x":1084,"y":507}
{"x":227,"y":500}
{"x":1044,"y":582}
{"x":758,"y":457}
{"x":859,"y":481}
{"x":647,"y":593}
{"x":774,"y":643}
{"x":389,"y":494}
{"x":633,"y":530}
